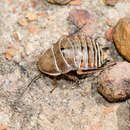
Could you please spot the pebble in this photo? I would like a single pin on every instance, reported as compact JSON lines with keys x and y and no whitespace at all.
{"x":42,"y":117}
{"x":83,"y":21}
{"x":4,"y":118}
{"x":96,"y":127}
{"x":17,"y":35}
{"x":121,"y":37}
{"x":75,"y":2}
{"x":110,"y":2}
{"x":42,"y":14}
{"x":23,"y":22}
{"x":33,"y":29}
{"x":34,"y":3}
{"x":114,"y":83}
{"x":29,"y":48}
{"x":109,"y":22}
{"x":108,"y":34}
{"x":3,"y":127}
{"x":11,"y":2}
{"x":31,"y":16}
{"x":9,"y":53}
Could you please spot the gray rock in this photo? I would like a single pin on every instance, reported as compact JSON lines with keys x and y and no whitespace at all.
{"x":114,"y":83}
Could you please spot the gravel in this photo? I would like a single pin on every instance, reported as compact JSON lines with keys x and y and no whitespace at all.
{"x":69,"y":107}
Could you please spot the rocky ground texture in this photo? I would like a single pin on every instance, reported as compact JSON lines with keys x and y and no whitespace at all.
{"x":27,"y":29}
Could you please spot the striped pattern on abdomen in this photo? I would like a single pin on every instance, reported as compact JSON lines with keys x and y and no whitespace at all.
{"x":71,"y":53}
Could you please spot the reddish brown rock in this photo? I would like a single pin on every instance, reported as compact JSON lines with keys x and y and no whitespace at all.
{"x":96,"y":127}
{"x":114,"y":83}
{"x":15,"y":35}
{"x":23,"y":22}
{"x":9,"y":53}
{"x":83,"y":21}
{"x":61,"y":2}
{"x":75,"y":2}
{"x":31,"y":16}
{"x":34,"y":3}
{"x":79,"y":17}
{"x":33,"y":29}
{"x":121,"y":37}
{"x":108,"y":34}
{"x":110,"y":2}
{"x":3,"y":127}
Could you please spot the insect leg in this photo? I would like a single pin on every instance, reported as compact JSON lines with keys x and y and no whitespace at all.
{"x":16,"y":102}
{"x":72,"y":78}
{"x":34,"y":79}
{"x":55,"y":84}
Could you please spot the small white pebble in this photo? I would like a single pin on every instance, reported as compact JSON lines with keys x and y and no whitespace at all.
{"x":42,"y":117}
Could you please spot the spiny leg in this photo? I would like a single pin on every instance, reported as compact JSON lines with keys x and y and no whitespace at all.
{"x":54,"y":84}
{"x":73,"y":78}
{"x":34,"y":79}
{"x":69,"y":76}
{"x":16,"y":102}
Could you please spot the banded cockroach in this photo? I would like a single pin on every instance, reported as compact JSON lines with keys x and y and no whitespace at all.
{"x":72,"y":53}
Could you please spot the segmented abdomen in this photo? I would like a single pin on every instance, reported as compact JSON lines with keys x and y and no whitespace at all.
{"x":71,"y":53}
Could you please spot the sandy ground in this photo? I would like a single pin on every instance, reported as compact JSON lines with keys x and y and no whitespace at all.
{"x":69,"y":107}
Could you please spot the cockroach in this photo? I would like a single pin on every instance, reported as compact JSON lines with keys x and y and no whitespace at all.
{"x":72,"y":53}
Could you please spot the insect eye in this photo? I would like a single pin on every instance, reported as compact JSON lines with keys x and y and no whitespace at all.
{"x":62,"y":49}
{"x":105,"y":48}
